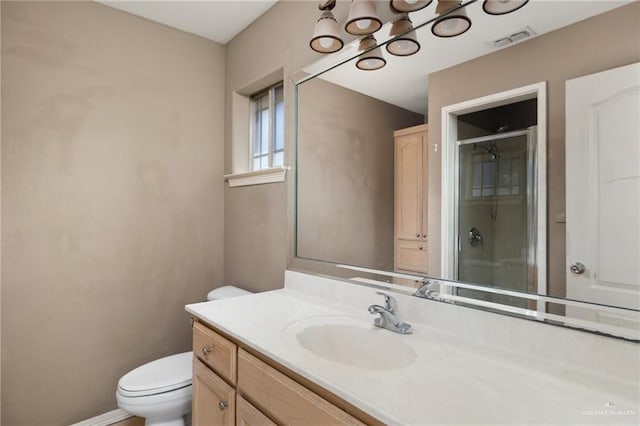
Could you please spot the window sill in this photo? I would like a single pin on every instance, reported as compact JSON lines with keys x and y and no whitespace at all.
{"x":257,"y":177}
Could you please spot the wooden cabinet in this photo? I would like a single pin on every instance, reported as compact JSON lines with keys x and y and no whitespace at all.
{"x":233,"y":387}
{"x":215,"y":351}
{"x":286,"y":401}
{"x":248,"y":415}
{"x":410,"y":189}
{"x":214,"y":401}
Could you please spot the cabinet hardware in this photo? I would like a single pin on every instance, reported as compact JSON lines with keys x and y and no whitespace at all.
{"x":206,"y":350}
{"x":222,"y":405}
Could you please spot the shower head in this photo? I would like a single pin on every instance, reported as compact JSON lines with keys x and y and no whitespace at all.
{"x":492,"y":152}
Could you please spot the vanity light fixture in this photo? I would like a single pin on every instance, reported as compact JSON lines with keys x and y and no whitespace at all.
{"x":373,"y":59}
{"x":326,"y":36}
{"x":363,"y":18}
{"x":406,"y":6}
{"x":501,"y":7}
{"x":454,"y":23}
{"x":407,"y":44}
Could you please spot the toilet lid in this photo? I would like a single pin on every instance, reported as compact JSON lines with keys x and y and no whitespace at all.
{"x":161,"y":375}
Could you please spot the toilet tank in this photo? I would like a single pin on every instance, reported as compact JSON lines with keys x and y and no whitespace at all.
{"x":226,"y":292}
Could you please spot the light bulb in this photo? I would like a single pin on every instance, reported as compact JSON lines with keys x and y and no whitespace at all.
{"x":453,"y":25}
{"x":326,"y":42}
{"x":363,"y":23}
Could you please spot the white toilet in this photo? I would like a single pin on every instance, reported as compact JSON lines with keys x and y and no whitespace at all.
{"x":160,"y":391}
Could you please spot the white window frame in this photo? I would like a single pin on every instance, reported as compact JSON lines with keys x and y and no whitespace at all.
{"x":270,"y":91}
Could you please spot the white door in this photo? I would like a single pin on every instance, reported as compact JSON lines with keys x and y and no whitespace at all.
{"x":603,"y":192}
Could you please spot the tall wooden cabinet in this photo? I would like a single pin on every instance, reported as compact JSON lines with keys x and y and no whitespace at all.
{"x":410,"y":212}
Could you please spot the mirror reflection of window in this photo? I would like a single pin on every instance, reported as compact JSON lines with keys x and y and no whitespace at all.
{"x":267,"y":128}
{"x":486,"y":170}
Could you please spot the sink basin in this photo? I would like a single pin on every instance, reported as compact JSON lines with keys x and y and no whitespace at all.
{"x":355,"y":344}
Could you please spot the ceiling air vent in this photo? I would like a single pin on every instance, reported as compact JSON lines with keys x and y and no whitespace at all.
{"x":512,"y":38}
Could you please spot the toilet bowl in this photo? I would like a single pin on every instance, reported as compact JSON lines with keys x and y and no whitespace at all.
{"x":160,"y":391}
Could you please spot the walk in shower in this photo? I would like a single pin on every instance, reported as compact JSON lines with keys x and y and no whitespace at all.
{"x":496,"y":213}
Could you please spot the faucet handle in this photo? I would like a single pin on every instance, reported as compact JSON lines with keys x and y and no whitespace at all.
{"x":389,"y":301}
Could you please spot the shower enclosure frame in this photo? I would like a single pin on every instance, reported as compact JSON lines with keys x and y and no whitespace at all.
{"x":449,"y":153}
{"x":531,"y":192}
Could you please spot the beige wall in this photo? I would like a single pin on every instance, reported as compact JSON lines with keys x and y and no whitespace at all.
{"x":345,"y":179}
{"x":112,"y":200}
{"x":597,"y":44}
{"x":257,"y":234}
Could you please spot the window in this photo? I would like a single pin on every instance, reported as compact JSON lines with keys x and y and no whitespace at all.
{"x":489,"y":175}
{"x":267,"y":128}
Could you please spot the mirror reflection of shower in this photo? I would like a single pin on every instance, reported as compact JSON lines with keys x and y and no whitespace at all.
{"x":495,"y":199}
{"x":494,"y":156}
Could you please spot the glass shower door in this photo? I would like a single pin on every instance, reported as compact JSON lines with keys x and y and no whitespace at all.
{"x":496,"y":214}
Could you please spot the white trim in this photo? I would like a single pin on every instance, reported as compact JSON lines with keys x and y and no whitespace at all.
{"x":106,"y":419}
{"x":257,"y":177}
{"x":449,"y":140}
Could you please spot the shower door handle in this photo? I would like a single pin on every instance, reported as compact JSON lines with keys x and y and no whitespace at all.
{"x":474,"y":236}
{"x":577,"y":268}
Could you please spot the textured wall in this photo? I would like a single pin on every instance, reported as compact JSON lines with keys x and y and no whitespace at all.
{"x":112,"y":216}
{"x":345,"y":179}
{"x":606,"y":41}
{"x":257,"y":233}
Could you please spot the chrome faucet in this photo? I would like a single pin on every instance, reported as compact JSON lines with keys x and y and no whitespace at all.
{"x":426,"y":292}
{"x":388,"y":318}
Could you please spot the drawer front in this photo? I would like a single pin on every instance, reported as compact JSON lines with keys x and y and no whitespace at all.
{"x":215,"y":351}
{"x":284,"y":400}
{"x":213,"y":399}
{"x":412,"y":256}
{"x":248,"y":415}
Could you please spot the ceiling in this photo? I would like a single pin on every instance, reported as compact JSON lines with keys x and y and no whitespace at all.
{"x":439,"y":53}
{"x":221,"y":20}
{"x":217,"y":20}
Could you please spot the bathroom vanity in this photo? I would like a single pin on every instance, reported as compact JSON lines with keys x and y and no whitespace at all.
{"x":227,"y":375}
{"x":309,"y":354}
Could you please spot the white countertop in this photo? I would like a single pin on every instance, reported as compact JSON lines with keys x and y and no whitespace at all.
{"x":453,"y":379}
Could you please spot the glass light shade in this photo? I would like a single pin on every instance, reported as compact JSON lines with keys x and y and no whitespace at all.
{"x":407,"y":44}
{"x":363,"y":18}
{"x":501,"y":7}
{"x":326,"y":37}
{"x":373,"y":59}
{"x":454,"y":23}
{"x":409,"y":5}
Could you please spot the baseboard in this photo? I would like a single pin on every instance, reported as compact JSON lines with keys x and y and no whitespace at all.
{"x":106,"y":419}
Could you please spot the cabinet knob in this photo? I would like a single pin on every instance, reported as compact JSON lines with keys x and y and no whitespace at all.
{"x":417,"y":235}
{"x":424,"y":235}
{"x":419,"y":247}
{"x":222,"y":405}
{"x":206,"y":350}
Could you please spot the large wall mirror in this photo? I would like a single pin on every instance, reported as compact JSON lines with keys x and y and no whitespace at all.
{"x":506,"y":159}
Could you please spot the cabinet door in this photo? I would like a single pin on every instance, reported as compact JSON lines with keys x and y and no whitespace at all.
{"x":248,"y":415}
{"x":411,"y":256}
{"x":283,"y":399}
{"x":213,"y":399}
{"x":409,"y":182}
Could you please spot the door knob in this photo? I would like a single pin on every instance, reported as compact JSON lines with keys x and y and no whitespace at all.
{"x":577,"y":268}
